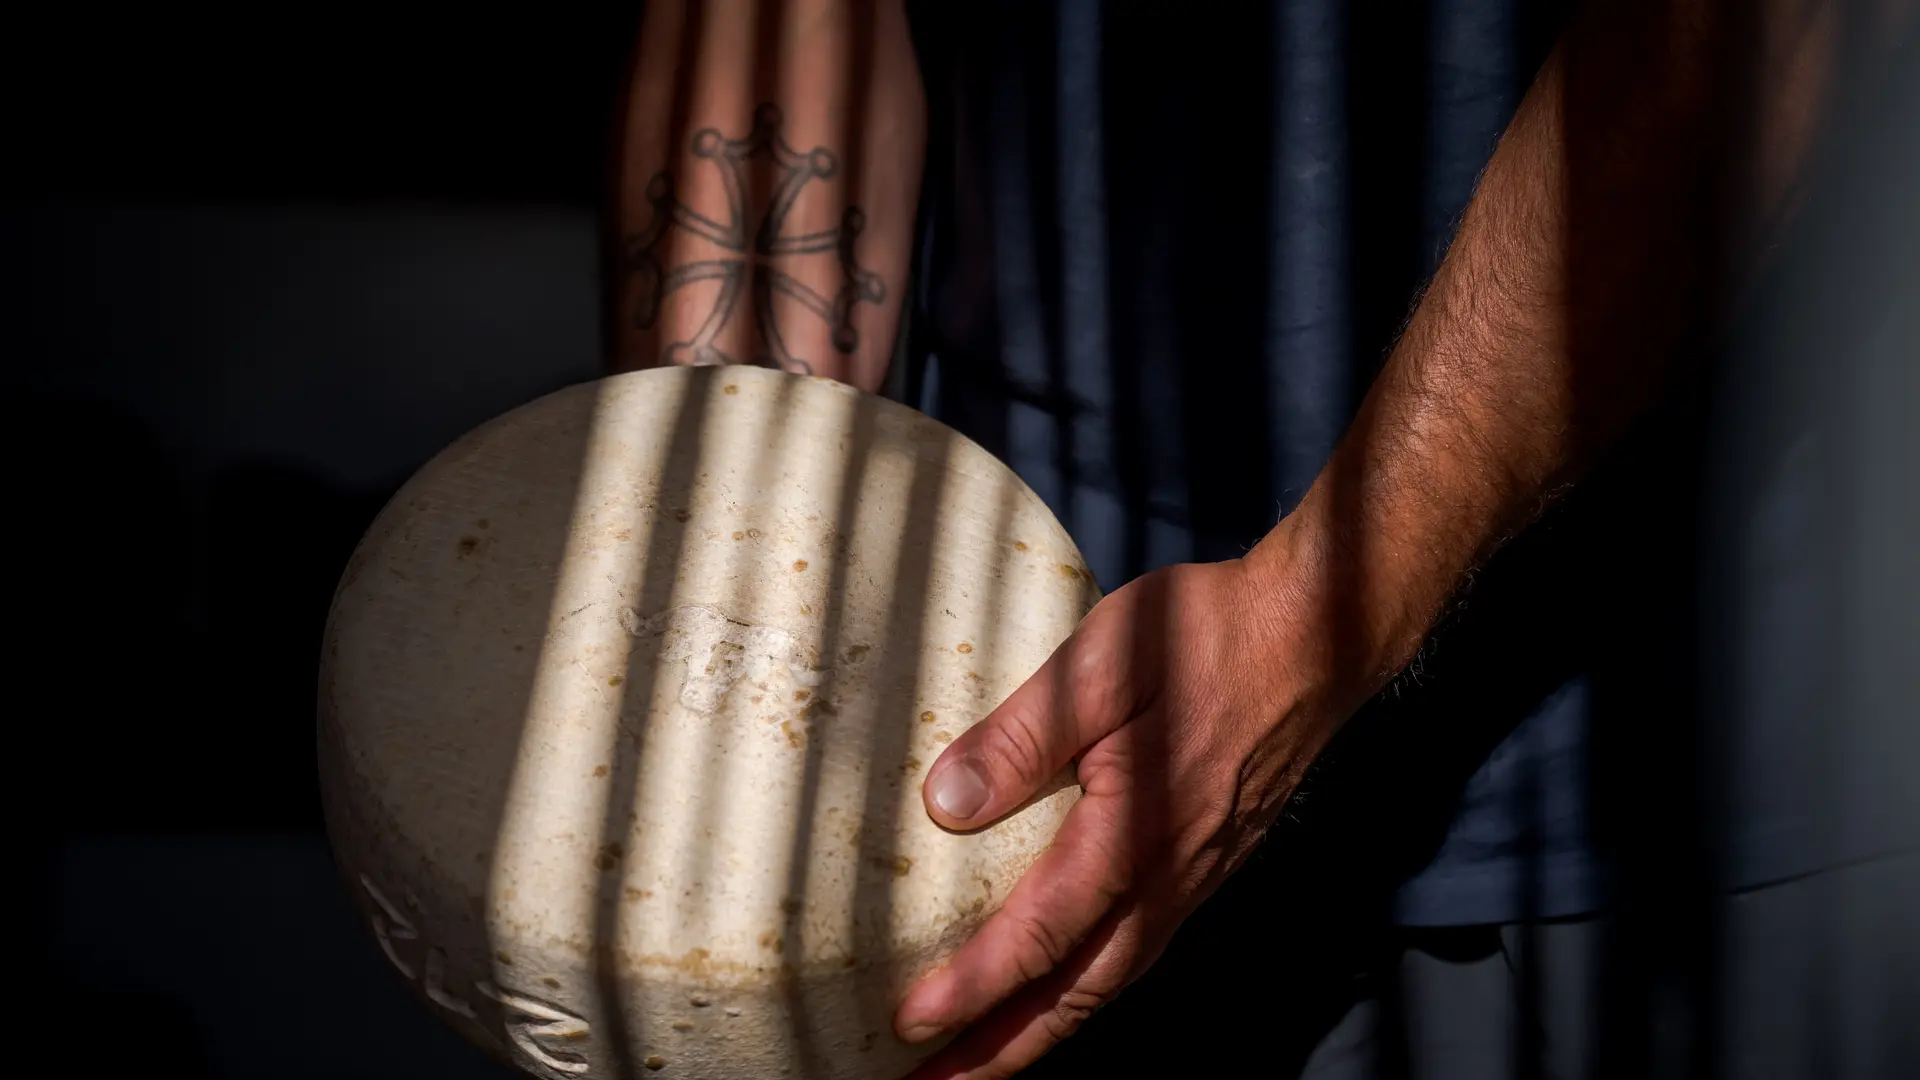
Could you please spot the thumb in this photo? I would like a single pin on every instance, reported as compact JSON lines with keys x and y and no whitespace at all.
{"x":1077,"y":698}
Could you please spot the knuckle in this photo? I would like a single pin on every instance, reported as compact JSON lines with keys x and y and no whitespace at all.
{"x":1017,"y":745}
{"x":1044,"y":947}
{"x":1097,"y":685}
{"x":1072,"y":1010}
{"x":1088,"y":660}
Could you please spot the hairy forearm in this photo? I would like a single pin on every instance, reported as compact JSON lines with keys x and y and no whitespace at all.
{"x":768,"y":176}
{"x":1619,"y":215}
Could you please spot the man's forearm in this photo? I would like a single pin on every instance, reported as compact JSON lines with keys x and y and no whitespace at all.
{"x":768,"y":178}
{"x":1654,"y":147}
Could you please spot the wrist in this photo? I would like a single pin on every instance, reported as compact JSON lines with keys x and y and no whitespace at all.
{"x":1346,"y":607}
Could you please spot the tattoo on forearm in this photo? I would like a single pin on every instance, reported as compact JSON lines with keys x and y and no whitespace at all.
{"x":753,"y":245}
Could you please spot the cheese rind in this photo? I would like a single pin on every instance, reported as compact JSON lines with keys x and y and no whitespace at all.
{"x":626,"y":701}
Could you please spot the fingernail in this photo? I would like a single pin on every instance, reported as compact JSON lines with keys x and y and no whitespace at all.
{"x":919,"y":1015}
{"x":960,"y":790}
{"x":919,"y":1033}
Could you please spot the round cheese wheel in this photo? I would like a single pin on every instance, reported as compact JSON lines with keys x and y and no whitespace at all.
{"x":625,"y":704}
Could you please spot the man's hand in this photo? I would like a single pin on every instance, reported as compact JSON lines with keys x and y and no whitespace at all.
{"x":1190,"y":705}
{"x":1593,"y":258}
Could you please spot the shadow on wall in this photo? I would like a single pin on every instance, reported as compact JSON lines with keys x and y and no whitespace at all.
{"x":200,"y":448}
{"x":174,"y":858}
{"x":190,"y":617}
{"x":223,"y":956}
{"x":207,"y":444}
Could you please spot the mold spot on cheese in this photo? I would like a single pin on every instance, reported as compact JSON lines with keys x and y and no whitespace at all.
{"x":763,"y":733}
{"x":899,"y":866}
{"x":696,"y":962}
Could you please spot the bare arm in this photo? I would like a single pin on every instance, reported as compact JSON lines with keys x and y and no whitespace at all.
{"x":768,"y":176}
{"x":1628,"y":202}
{"x":1622,"y":210}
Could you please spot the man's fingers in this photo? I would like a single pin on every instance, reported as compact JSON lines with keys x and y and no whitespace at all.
{"x":1032,"y":1022}
{"x":1061,"y":899}
{"x":1079,"y":696}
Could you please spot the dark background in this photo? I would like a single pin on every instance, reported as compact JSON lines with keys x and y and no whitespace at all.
{"x":258,"y":266}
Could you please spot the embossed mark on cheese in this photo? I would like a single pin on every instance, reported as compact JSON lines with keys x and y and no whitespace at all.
{"x":715,"y":649}
{"x":533,"y":1026}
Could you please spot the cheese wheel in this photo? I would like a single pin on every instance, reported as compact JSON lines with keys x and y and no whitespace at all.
{"x":626,"y":700}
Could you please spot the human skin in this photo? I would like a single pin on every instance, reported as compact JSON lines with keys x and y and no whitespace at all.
{"x":1629,"y":200}
{"x":834,"y":81}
